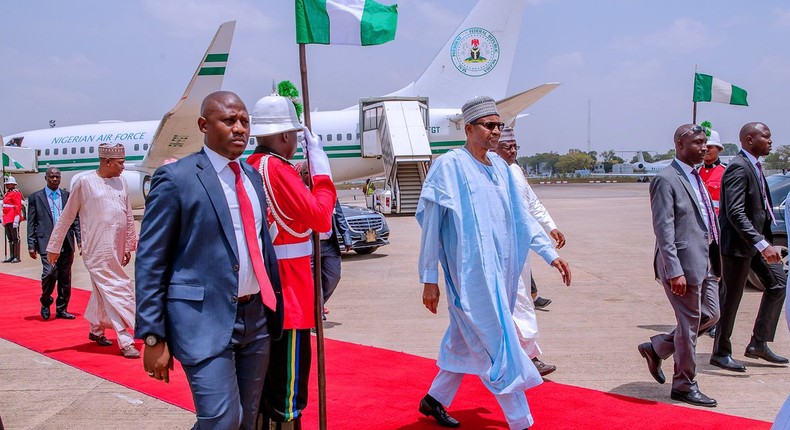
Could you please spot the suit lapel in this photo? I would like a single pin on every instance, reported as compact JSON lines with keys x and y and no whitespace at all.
{"x":687,"y":185}
{"x":208,"y":177}
{"x":44,"y":203}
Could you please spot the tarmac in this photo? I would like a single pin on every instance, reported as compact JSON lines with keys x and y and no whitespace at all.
{"x":590,"y":330}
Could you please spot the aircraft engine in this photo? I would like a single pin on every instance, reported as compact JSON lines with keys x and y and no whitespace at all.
{"x":139,"y":184}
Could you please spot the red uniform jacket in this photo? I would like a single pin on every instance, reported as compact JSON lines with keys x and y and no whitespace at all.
{"x":712,"y":179}
{"x":292,"y":212}
{"x":12,"y":206}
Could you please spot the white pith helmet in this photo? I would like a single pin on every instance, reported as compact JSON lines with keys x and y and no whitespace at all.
{"x":273,"y":114}
{"x":10,"y":180}
{"x":714,"y":140}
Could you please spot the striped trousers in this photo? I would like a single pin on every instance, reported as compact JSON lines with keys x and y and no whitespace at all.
{"x":285,"y":389}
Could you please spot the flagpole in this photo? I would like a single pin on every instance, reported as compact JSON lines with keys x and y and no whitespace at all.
{"x":318,"y":305}
{"x":694,"y":114}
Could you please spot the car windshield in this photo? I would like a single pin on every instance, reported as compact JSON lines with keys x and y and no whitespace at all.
{"x":779,"y":186}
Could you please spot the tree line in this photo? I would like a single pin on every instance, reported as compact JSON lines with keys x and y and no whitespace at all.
{"x":576,"y":159}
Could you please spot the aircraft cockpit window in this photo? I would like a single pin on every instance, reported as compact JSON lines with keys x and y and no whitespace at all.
{"x":17,"y":141}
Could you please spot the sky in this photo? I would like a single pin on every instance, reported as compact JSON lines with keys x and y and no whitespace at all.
{"x":631,"y":61}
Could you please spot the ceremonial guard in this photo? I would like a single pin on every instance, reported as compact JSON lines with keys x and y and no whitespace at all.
{"x":12,"y":214}
{"x":293,"y":212}
{"x":713,"y":169}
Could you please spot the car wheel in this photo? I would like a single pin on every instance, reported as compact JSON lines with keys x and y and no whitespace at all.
{"x":781,"y":246}
{"x":364,"y":251}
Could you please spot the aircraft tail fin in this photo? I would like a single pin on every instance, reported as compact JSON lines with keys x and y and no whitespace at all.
{"x":476,"y":60}
{"x":177,"y":134}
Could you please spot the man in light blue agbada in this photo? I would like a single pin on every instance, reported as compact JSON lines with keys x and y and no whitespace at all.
{"x":474,"y":223}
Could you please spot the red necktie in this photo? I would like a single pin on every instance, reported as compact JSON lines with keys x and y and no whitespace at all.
{"x":251,"y":236}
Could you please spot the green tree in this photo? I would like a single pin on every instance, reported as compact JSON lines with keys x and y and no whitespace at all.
{"x":778,"y":159}
{"x":534,"y":162}
{"x":574,"y":160}
{"x":730,"y":149}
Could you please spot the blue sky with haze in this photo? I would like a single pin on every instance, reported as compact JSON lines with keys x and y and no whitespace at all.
{"x":84,"y":61}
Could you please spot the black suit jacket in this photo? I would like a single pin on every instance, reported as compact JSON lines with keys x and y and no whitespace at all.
{"x":40,"y":223}
{"x":743,"y":217}
{"x":340,"y":229}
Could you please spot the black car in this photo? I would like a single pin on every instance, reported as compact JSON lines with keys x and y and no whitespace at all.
{"x":369,"y":229}
{"x":778,"y":187}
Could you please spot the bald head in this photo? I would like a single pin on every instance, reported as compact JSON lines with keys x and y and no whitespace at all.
{"x":690,"y":145}
{"x":755,"y":139}
{"x":217,"y":98}
{"x":225,"y":123}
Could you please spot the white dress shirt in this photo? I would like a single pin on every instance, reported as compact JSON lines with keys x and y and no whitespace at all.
{"x":696,"y":185}
{"x":248,"y":283}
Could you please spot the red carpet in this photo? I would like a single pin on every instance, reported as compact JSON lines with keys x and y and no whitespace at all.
{"x":367,"y":387}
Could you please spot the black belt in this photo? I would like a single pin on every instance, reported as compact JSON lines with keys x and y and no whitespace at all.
{"x":245,"y":299}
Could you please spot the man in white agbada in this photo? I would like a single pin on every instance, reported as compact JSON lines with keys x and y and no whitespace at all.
{"x":524,"y":312}
{"x":473,"y":220}
{"x":108,"y":238}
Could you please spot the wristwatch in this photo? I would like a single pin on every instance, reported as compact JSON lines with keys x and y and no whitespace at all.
{"x":152,"y":340}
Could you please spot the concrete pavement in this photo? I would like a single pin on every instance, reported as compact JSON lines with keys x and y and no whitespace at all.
{"x":590,"y":331}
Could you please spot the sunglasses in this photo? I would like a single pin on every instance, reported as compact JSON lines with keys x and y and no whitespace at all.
{"x":693,"y":130}
{"x":491,"y":125}
{"x":510,"y":147}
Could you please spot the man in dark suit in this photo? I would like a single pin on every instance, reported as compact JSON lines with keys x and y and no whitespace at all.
{"x":746,"y":217}
{"x":43,"y":209}
{"x":208,"y":289}
{"x":686,"y":256}
{"x":330,"y":245}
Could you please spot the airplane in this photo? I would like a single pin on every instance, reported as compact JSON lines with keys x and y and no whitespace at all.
{"x":477,"y":59}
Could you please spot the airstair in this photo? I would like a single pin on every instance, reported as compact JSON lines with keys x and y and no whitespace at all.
{"x":395,"y":129}
{"x":17,"y":159}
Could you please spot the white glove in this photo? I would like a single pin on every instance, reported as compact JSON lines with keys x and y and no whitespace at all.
{"x":319,"y":162}
{"x":16,"y":221}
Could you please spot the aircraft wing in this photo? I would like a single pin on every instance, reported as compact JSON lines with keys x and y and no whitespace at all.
{"x":178,"y":134}
{"x":509,"y":108}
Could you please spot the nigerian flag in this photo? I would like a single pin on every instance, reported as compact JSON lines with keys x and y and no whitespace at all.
{"x":710,"y":89}
{"x":10,"y":162}
{"x":345,"y":22}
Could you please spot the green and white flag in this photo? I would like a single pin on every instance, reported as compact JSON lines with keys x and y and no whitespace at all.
{"x":10,"y":162}
{"x":710,"y":89}
{"x":345,"y":22}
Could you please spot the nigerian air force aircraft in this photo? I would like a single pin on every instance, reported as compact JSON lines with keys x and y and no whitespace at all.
{"x":476,"y":60}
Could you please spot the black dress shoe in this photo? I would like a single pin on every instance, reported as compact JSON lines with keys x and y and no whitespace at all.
{"x":653,"y":361}
{"x":430,"y":407}
{"x":761,"y":350}
{"x":45,"y":312}
{"x":712,"y":332}
{"x":101,"y":340}
{"x":693,"y":397}
{"x":541,"y":303}
{"x":727,"y":363}
{"x":65,"y":315}
{"x":15,"y":260}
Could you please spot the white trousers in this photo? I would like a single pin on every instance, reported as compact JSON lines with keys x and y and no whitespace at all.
{"x":524,"y":316}
{"x":124,"y":338}
{"x":514,"y":405}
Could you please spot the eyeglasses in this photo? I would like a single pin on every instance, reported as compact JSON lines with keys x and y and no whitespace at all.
{"x":510,"y":147}
{"x":491,"y":125}
{"x":693,"y":130}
